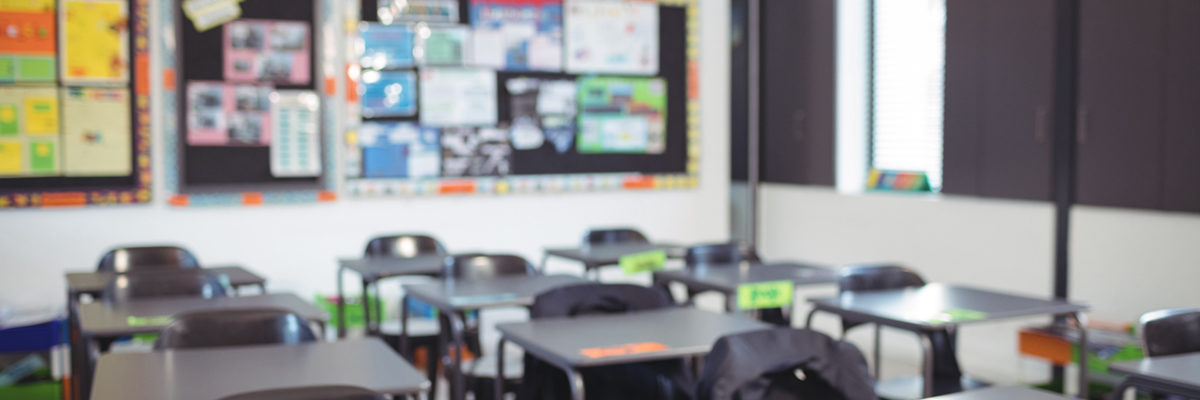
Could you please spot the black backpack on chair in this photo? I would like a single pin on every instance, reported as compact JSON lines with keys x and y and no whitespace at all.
{"x":784,"y":364}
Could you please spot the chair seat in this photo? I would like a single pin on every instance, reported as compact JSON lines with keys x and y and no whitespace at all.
{"x":416,"y":327}
{"x":485,"y":367}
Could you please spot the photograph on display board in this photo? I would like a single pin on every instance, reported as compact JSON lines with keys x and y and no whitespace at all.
{"x":388,"y":93}
{"x":542,"y":110}
{"x":383,"y":47}
{"x":267,"y":51}
{"x":441,"y":45}
{"x":517,"y":35}
{"x":396,"y":11}
{"x":96,"y":127}
{"x":622,"y":115}
{"x":458,"y":97}
{"x":399,"y":150}
{"x":95,"y":41}
{"x":29,"y":131}
{"x":222,"y":114}
{"x":468,"y":152}
{"x":295,"y":133}
{"x":28,"y":51}
{"x":612,"y":37}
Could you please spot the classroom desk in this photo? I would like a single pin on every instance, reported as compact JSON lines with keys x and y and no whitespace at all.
{"x":372,"y":270}
{"x":676,"y":332}
{"x":93,"y":284}
{"x":933,"y":307}
{"x":103,"y":320}
{"x":453,"y":297}
{"x":206,"y":374}
{"x":1177,"y":375}
{"x":726,"y":279}
{"x":1003,"y":393}
{"x":596,"y":256}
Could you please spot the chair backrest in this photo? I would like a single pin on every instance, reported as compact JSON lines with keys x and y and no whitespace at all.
{"x":180,"y":283}
{"x":720,"y":254}
{"x":1172,"y":331}
{"x":403,"y":245}
{"x":311,"y":393}
{"x":614,"y":236}
{"x":878,"y":277}
{"x":226,"y":328}
{"x":486,"y":266}
{"x":762,"y":365}
{"x":597,"y":298}
{"x":132,"y":259}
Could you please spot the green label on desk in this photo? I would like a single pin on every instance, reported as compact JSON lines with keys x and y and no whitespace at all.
{"x":760,"y":295}
{"x":958,"y":315}
{"x":148,"y":321}
{"x":642,"y":262}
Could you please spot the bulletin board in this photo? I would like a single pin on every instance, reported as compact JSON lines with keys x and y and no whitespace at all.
{"x":511,"y":96}
{"x":251,"y":113}
{"x":74,"y":103}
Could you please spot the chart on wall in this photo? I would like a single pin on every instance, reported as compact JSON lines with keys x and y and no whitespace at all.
{"x":250,"y":122}
{"x":499,"y":96}
{"x":74,"y":102}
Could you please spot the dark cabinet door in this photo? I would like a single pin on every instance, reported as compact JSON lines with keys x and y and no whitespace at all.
{"x":999,"y":81}
{"x":1119,"y":156}
{"x":797,"y":85}
{"x":1018,"y":65}
{"x":1181,"y":162}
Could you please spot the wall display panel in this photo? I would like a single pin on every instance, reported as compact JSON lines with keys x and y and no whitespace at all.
{"x":520,"y":96}
{"x":252,"y":113}
{"x":74,"y":103}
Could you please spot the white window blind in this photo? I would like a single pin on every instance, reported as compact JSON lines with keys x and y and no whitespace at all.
{"x":909,"y":60}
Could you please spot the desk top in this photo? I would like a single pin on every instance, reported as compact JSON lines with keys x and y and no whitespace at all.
{"x":1178,"y":370}
{"x":1003,"y":393}
{"x":727,"y":278}
{"x":94,"y":282}
{"x":109,"y":320}
{"x":206,"y":374}
{"x":935,"y":306}
{"x":376,"y":268}
{"x":457,"y":294}
{"x":609,"y":254}
{"x":597,"y":340}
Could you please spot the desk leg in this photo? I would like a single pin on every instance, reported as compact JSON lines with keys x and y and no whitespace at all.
{"x":457,"y":380}
{"x":404,"y":331}
{"x":877,"y":354}
{"x":1080,"y":321}
{"x":76,"y":348}
{"x":576,"y":381}
{"x":366,"y":303}
{"x":499,"y":385}
{"x":1118,"y":392}
{"x":808,"y":322}
{"x":542,"y":266}
{"x":926,"y":365}
{"x":262,"y":288}
{"x":341,"y":305}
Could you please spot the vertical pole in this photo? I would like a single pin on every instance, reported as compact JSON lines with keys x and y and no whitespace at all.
{"x":1066,"y":102}
{"x":753,"y":115}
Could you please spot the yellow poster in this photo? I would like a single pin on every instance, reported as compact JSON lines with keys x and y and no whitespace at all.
{"x":41,"y":114}
{"x":95,"y":41}
{"x":11,"y":162}
{"x":97,"y":136}
{"x":27,"y":5}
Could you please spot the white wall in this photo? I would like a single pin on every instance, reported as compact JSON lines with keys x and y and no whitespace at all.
{"x":295,"y":246}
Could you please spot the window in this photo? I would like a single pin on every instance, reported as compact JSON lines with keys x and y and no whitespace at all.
{"x":908,"y":57}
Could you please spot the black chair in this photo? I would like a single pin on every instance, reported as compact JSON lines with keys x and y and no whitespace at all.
{"x":228,"y":328}
{"x":480,"y":373}
{"x":614,"y":236}
{"x":1172,"y":331}
{"x":947,"y":375}
{"x":669,"y":379}
{"x":141,"y":258}
{"x":406,"y":246}
{"x":180,"y":283}
{"x":311,"y":393}
{"x":763,"y":365}
{"x":722,"y":255}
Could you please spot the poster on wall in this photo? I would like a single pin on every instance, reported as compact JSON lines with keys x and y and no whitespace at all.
{"x":441,"y":44}
{"x":295,"y":142}
{"x":29,"y":131}
{"x":267,"y":51}
{"x":385,"y":46}
{"x":388,"y":93}
{"x":96,"y":132}
{"x":221,"y":114}
{"x":395,"y":11}
{"x":468,"y":152}
{"x":542,"y":110}
{"x":399,"y":150}
{"x":27,"y":53}
{"x":614,"y":37}
{"x":95,"y":41}
{"x":622,"y":115}
{"x":517,"y":35}
{"x":458,"y":97}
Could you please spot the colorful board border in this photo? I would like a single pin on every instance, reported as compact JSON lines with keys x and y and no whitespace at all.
{"x":375,"y":187}
{"x":140,"y":191}
{"x":326,"y":21}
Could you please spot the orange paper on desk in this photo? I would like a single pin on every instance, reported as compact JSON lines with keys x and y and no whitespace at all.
{"x":624,"y":349}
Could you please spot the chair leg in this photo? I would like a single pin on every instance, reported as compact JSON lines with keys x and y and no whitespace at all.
{"x":878,"y":352}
